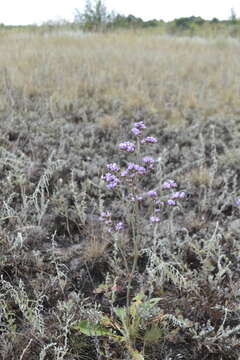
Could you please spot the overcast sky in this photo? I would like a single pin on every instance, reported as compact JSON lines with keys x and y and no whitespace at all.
{"x":16,"y":12}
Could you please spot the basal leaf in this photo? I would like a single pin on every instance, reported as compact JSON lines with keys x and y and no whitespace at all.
{"x":90,"y":329}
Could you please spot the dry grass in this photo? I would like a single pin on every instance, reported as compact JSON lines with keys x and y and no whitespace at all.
{"x":108,"y":122}
{"x":200,"y":176}
{"x":95,"y":249}
{"x":121,"y":72}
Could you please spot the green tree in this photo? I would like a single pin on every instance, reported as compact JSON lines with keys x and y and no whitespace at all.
{"x":95,"y":16}
{"x":233,"y":17}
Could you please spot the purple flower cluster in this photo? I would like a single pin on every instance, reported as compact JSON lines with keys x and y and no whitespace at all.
{"x":132,"y":170}
{"x":124,"y":173}
{"x":135,"y":168}
{"x":140,"y":125}
{"x":149,"y":140}
{"x":105,"y":217}
{"x":169,"y":184}
{"x":136,"y":131}
{"x":113,"y":167}
{"x":237,"y":202}
{"x":152,"y":193}
{"x":111,"y":179}
{"x":119,"y":226}
{"x":171,"y":202}
{"x":148,"y":160}
{"x":159,"y":202}
{"x":105,"y":214}
{"x":178,"y":195}
{"x":154,"y":219}
{"x":128,"y":146}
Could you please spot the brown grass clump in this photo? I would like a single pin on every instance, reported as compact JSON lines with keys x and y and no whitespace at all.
{"x":200,"y":176}
{"x":95,"y":249}
{"x":231,"y":157}
{"x":108,"y":122}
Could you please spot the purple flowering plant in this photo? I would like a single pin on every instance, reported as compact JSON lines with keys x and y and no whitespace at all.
{"x":127,"y":181}
{"x":127,"y":184}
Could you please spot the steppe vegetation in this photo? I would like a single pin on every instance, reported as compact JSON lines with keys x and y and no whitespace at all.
{"x":99,"y":266}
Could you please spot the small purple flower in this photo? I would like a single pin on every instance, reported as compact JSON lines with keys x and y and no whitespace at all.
{"x":171,"y":202}
{"x":131,"y":166}
{"x":119,"y":226}
{"x":112,"y":184}
{"x":111,"y":179}
{"x":113,"y":167}
{"x":106,"y":214}
{"x":136,"y":131}
{"x":149,"y":140}
{"x":152,"y":193}
{"x":182,"y":194}
{"x":238,"y":202}
{"x":157,"y":210}
{"x":159,"y":202}
{"x":127,"y":145}
{"x":135,"y":198}
{"x":154,"y":219}
{"x":106,"y":218}
{"x":148,"y":160}
{"x":124,"y":173}
{"x":169,"y":184}
{"x":137,"y":168}
{"x":140,"y":169}
{"x":178,"y":195}
{"x":108,"y":177}
{"x":140,"y":125}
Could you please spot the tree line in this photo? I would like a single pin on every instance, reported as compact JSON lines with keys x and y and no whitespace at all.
{"x":96,"y":17}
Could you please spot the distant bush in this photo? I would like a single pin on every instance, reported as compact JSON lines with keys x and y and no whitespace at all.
{"x":188,"y":22}
{"x":95,"y":16}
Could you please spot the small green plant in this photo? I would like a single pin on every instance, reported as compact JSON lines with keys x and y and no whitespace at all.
{"x":127,"y":324}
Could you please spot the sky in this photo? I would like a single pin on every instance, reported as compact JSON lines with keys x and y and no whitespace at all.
{"x":23,"y":12}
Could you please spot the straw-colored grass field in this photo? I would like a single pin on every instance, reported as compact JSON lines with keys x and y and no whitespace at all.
{"x":122,"y":72}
